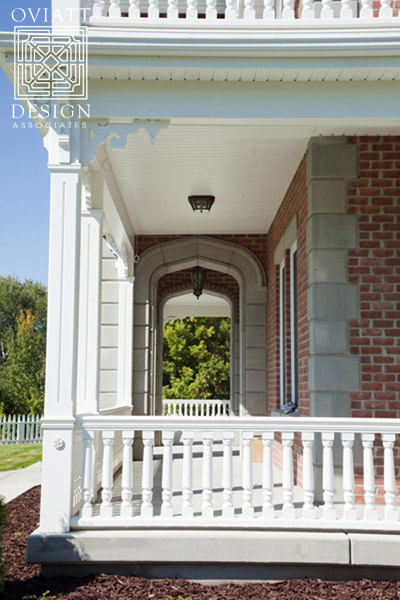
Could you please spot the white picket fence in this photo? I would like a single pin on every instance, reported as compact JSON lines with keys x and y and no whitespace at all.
{"x":196,"y":408}
{"x":19,"y":429}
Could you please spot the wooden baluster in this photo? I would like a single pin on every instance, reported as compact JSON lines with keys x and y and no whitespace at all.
{"x":127,"y":475}
{"x":115,"y":8}
{"x":86,"y":510}
{"x":307,"y":10}
{"x":172,"y":11}
{"x":370,"y":512}
{"x":346,"y":11}
{"x":329,"y":513}
{"x":98,"y":9}
{"x":230,"y":10}
{"x":366,"y":11}
{"x":308,"y":475}
{"x":107,"y":475}
{"x":166,"y":507}
{"x":249,"y":13}
{"x":327,"y":9}
{"x":349,"y":511}
{"x":211,"y":10}
{"x":146,"y":510}
{"x":267,"y":480}
{"x":269,"y":9}
{"x":288,"y":11}
{"x":187,"y":492}
{"x":191,"y":11}
{"x":287,"y":475}
{"x":385,"y":10}
{"x":134,"y":9}
{"x":247,"y":481}
{"x":154,"y":12}
{"x":207,"y":495}
{"x":227,"y":475}
{"x":389,"y":481}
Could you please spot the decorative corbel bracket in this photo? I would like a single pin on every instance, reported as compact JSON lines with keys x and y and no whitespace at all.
{"x":96,"y":133}
{"x":120,"y":253}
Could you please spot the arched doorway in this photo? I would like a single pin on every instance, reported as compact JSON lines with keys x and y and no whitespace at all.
{"x":182,"y":303}
{"x":218,"y":255}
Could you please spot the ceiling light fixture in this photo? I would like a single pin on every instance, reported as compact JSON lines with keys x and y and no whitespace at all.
{"x":198,"y":276}
{"x":201,"y":203}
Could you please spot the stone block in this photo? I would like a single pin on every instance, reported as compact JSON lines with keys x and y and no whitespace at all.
{"x":333,"y":300}
{"x":109,"y":336}
{"x":109,"y":314}
{"x":255,"y":358}
{"x":256,"y":381}
{"x":377,"y":549}
{"x":108,"y":381}
{"x":328,"y":158}
{"x":331,"y":231}
{"x":328,"y":336}
{"x":256,"y":314}
{"x":330,"y":404}
{"x":255,"y":337}
{"x":109,"y":291}
{"x":334,"y":372}
{"x":327,"y":196}
{"x":327,"y":266}
{"x":256,"y":404}
{"x":109,"y":358}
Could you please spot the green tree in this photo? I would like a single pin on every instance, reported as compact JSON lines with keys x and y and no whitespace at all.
{"x":196,"y":358}
{"x":23,"y":315}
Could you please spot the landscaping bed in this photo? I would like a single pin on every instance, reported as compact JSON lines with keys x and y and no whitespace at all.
{"x":25,"y":580}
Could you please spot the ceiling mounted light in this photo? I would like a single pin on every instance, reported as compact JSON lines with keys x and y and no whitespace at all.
{"x":198,"y":276}
{"x":201,"y":203}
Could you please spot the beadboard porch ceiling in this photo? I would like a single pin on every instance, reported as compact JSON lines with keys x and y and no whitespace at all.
{"x":248,"y":168}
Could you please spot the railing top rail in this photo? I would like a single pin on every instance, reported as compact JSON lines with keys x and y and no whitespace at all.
{"x":254,"y":424}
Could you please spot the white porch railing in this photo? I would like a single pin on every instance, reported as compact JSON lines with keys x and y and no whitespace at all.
{"x":124,"y":12}
{"x":197,"y":506}
{"x":196,"y":408}
{"x":19,"y":429}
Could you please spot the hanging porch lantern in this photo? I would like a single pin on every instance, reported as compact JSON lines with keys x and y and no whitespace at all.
{"x":201,"y":203}
{"x":198,"y":276}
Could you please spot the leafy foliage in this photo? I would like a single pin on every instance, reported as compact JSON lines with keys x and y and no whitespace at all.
{"x":23,"y":316}
{"x":196,"y":361}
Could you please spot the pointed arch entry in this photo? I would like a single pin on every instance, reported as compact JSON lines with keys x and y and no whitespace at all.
{"x":219,"y":255}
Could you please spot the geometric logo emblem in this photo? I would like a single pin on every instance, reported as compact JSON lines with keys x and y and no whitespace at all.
{"x":50,"y":63}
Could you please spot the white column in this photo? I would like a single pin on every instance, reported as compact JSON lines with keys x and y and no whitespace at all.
{"x":268,"y":506}
{"x":127,"y":475}
{"x":328,"y":512}
{"x":62,"y":338}
{"x":227,"y":474}
{"x":370,"y":513}
{"x":166,"y":507}
{"x":287,"y":475}
{"x":107,"y":475}
{"x":247,"y":465}
{"x":207,"y":504}
{"x":125,"y":340}
{"x":89,"y":312}
{"x":349,"y":511}
{"x":308,"y":475}
{"x":147,"y":475}
{"x":187,"y":492}
{"x":389,"y":480}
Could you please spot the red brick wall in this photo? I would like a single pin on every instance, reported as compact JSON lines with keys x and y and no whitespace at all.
{"x":215,"y":281}
{"x":375,"y":266}
{"x":294,"y":203}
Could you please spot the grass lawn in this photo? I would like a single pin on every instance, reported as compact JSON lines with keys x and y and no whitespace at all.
{"x":18,"y":456}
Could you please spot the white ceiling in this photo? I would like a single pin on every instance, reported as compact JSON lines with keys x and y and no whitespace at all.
{"x":187,"y":305}
{"x":247,"y":168}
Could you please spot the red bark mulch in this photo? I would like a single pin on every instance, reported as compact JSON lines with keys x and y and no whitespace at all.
{"x":25,"y":580}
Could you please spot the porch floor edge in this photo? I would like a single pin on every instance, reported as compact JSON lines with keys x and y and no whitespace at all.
{"x":209,"y":554}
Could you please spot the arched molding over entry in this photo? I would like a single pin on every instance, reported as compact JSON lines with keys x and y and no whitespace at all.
{"x":218,"y":255}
